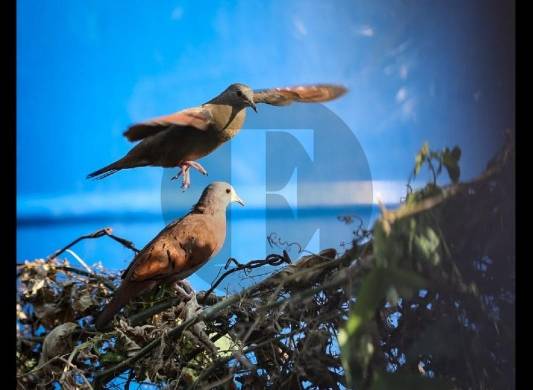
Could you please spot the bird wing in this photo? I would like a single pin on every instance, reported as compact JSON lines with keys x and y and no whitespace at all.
{"x":179,"y":249}
{"x":196,"y":118}
{"x":302,"y":93}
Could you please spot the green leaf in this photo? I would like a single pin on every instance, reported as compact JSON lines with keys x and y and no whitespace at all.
{"x":454,"y":172}
{"x":356,"y":341}
{"x":427,"y":244}
{"x":372,"y":292}
{"x":30,"y":363}
{"x":405,"y":282}
{"x":421,"y":158}
{"x":111,"y":358}
{"x":425,"y":149}
{"x":456,"y":153}
{"x":357,"y":347}
{"x":225,"y":345}
{"x":450,"y":159}
{"x":189,"y":375}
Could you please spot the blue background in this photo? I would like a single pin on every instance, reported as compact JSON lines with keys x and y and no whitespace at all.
{"x":416,"y":71}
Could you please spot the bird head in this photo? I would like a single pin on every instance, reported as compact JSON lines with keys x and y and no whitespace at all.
{"x":218,"y":195}
{"x":243,"y":94}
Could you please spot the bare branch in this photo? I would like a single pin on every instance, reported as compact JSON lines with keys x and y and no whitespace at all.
{"x":97,"y":234}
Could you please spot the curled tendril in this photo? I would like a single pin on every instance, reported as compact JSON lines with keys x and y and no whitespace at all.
{"x":272,"y":259}
{"x":274,"y":240}
{"x":360,"y":233}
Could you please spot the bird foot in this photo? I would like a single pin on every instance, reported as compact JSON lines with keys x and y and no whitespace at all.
{"x":184,"y":289}
{"x":196,"y":165}
{"x":184,"y":170}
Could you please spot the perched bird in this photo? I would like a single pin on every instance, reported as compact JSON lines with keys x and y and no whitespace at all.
{"x":179,"y":139}
{"x":178,"y":250}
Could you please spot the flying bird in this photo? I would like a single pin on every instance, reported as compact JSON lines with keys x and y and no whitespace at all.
{"x":179,"y":139}
{"x":180,"y":249}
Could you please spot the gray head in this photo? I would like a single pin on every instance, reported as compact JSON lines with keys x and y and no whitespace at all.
{"x":217,"y":196}
{"x":239,"y":94}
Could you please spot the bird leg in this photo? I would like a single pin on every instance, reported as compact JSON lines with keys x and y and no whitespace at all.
{"x":196,"y":165}
{"x":197,"y":331}
{"x":184,"y":170}
{"x":184,"y":289}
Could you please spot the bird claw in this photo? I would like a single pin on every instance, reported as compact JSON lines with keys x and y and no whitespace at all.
{"x":176,"y":176}
{"x":186,"y":183}
{"x":184,"y":170}
{"x":184,"y":289}
{"x":197,"y":166}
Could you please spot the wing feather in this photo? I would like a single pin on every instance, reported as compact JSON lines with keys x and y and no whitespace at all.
{"x":197,"y":118}
{"x":302,"y":93}
{"x":182,"y":245}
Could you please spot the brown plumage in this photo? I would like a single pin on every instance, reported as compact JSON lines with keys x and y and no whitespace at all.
{"x":178,"y":250}
{"x":179,"y":139}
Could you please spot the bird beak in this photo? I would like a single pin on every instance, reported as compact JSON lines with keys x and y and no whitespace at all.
{"x":252,"y":104}
{"x":236,"y":198}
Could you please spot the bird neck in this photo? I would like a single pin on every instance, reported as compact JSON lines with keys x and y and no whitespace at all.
{"x":207,"y":205}
{"x":228,"y":119}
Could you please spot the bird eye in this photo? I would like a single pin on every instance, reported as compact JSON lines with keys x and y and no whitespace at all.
{"x":239,"y":93}
{"x":228,"y":190}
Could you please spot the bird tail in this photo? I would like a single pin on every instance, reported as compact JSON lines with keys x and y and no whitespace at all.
{"x":107,"y":170}
{"x":126,"y":292}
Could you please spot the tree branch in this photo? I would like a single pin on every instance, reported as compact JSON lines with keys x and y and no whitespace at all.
{"x":97,"y":234}
{"x":105,"y":281}
{"x":213,"y":311}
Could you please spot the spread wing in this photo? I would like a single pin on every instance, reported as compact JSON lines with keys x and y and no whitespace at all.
{"x":197,"y":118}
{"x":179,"y":249}
{"x":302,"y":93}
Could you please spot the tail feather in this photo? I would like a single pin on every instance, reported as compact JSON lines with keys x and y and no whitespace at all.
{"x":106,"y":171}
{"x":99,"y":176}
{"x":126,"y":292}
{"x":125,"y":162}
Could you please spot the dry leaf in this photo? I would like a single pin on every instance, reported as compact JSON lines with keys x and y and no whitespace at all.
{"x":58,"y":341}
